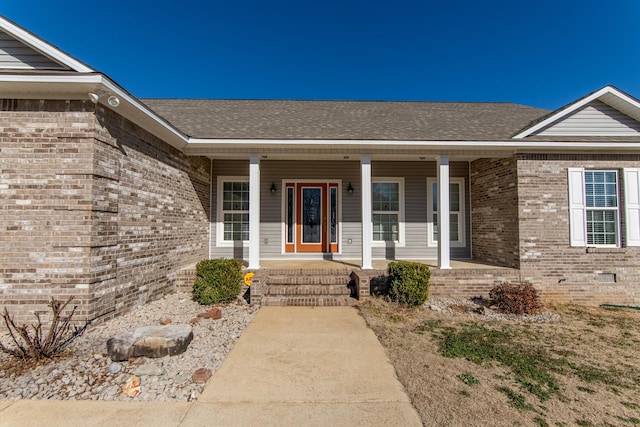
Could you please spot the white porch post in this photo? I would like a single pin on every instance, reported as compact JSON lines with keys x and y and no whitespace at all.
{"x":254,"y":213}
{"x":367,"y":226}
{"x":444,"y":255}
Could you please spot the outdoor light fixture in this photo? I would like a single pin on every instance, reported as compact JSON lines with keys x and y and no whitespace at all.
{"x":273,"y":188}
{"x":94,"y":97}
{"x":112,"y":100}
{"x":350,"y":188}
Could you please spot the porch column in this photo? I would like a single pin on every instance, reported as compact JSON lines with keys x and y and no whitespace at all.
{"x":254,"y":214}
{"x":444,"y":255}
{"x":367,"y":226}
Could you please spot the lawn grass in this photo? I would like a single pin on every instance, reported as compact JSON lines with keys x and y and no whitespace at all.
{"x":582,"y":370}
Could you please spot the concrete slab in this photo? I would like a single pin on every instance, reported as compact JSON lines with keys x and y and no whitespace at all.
{"x":292,"y":366}
{"x":54,"y":413}
{"x":301,"y":414}
{"x":306,"y":355}
{"x":5,"y":404}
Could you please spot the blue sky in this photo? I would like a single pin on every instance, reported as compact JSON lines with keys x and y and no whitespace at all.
{"x":544,"y":53}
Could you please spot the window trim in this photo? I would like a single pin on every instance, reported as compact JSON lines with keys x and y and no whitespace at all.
{"x":615,"y":209}
{"x":578,"y":208}
{"x":462,"y":228}
{"x":401,"y":224}
{"x":220,"y":241}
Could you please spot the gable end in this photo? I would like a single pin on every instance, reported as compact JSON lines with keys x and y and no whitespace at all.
{"x":15,"y":55}
{"x":593,"y":119}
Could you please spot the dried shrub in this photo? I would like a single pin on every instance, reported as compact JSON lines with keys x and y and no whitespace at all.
{"x":217,"y":281}
{"x":409,"y":282}
{"x":515,"y":298}
{"x":32,"y":342}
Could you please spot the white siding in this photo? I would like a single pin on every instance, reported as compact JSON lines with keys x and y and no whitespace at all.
{"x":415,"y":176}
{"x":415,"y":186}
{"x":594,"y":119}
{"x":271,"y":206}
{"x":15,"y":55}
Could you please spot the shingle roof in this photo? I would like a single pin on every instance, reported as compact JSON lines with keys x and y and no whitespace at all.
{"x":351,"y":120}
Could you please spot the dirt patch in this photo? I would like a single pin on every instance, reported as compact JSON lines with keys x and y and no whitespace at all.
{"x":582,"y":369}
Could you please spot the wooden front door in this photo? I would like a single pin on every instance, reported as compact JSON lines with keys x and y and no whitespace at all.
{"x":314,"y":220}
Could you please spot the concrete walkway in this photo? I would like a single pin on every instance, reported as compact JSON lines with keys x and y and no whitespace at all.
{"x":299,"y":366}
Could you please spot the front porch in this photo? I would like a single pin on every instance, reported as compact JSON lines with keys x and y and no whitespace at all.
{"x":331,"y":282}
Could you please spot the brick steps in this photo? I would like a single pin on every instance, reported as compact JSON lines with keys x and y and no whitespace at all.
{"x":309,"y":301}
{"x":302,"y":290}
{"x":310,"y":289}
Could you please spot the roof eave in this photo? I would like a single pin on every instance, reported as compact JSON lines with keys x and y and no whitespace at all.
{"x":78,"y":86}
{"x":207,"y":147}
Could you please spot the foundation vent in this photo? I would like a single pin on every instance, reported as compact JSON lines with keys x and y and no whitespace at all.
{"x":606,"y":278}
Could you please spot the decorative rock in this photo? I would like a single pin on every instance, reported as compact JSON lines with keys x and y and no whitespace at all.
{"x":85,"y":370}
{"x":148,"y":369}
{"x":137,"y":361}
{"x":132,"y":387}
{"x":114,"y":368}
{"x":201,"y":375}
{"x":165,"y":321}
{"x":181,"y":378}
{"x":195,"y":320}
{"x":150,"y":341}
{"x":214,"y":313}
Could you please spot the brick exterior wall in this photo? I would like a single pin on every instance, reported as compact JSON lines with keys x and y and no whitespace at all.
{"x":95,"y":207}
{"x":494,"y":207}
{"x":564,"y":273}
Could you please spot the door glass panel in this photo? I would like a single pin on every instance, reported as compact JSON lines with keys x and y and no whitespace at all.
{"x":311,"y":215}
{"x":334,"y":215}
{"x":289,"y":214}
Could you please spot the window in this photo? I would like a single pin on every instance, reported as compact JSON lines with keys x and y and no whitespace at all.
{"x":233,"y":209}
{"x":457,"y":234}
{"x":387,"y":210}
{"x":596,"y":211}
{"x":601,"y":195}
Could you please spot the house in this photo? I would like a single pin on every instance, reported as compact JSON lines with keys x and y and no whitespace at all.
{"x":108,"y":198}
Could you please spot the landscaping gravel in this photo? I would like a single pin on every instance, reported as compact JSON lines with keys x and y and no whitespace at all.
{"x":87,"y":373}
{"x":478,"y":309}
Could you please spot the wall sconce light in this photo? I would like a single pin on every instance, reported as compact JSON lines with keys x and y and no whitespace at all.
{"x":350,"y":188}
{"x":273,"y":188}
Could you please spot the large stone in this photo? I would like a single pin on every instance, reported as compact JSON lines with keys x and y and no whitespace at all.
{"x":150,"y":341}
{"x":214,"y":313}
{"x":201,"y":375}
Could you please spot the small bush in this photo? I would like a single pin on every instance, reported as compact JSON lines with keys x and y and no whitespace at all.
{"x":409,"y":282}
{"x":217,"y":281}
{"x":33,"y":343}
{"x":515,"y":299}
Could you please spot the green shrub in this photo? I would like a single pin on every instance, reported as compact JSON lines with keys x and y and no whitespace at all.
{"x":217,"y":281}
{"x":409,"y":282}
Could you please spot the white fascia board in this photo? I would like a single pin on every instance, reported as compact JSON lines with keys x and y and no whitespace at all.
{"x":101,"y":83}
{"x":42,"y":46}
{"x":610,"y":90}
{"x":52,"y":78}
{"x":195,"y":143}
{"x":124,"y":95}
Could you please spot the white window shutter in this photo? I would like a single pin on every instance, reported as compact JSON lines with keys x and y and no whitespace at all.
{"x":577,"y":226}
{"x":632,"y":205}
